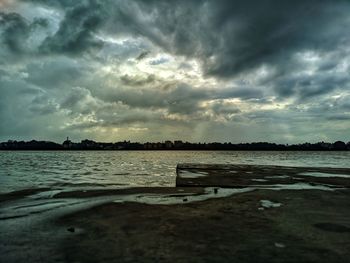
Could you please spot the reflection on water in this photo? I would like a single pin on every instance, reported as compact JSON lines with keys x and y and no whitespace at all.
{"x":24,"y":169}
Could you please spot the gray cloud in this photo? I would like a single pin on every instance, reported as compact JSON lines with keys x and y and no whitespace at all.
{"x":14,"y":31}
{"x":174,"y":97}
{"x":306,"y":86}
{"x":219,"y":107}
{"x":14,"y":35}
{"x":229,"y":37}
{"x":142,"y":56}
{"x":137,"y":80}
{"x":75,"y":31}
{"x":58,"y":72}
{"x":235,"y":36}
{"x":229,"y":66}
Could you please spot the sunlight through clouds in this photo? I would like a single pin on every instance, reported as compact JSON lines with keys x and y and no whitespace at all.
{"x":194,"y":70}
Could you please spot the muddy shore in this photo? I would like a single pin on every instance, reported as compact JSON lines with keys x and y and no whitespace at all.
{"x":272,"y":214}
{"x":307,"y":226}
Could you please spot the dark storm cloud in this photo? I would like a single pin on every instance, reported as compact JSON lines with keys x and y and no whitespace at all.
{"x":178,"y":98}
{"x":16,"y":104}
{"x":143,"y":55}
{"x":75,"y":32}
{"x":343,"y":103}
{"x":137,"y":81}
{"x":243,"y":93}
{"x":339,"y":117}
{"x":235,"y":36}
{"x":43,"y":106}
{"x":53,"y":63}
{"x":219,"y":107}
{"x":308,"y":86}
{"x":229,"y":37}
{"x":74,"y":35}
{"x":14,"y":33}
{"x":58,"y":72}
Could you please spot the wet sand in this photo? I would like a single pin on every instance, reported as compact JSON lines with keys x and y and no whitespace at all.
{"x":272,"y":215}
{"x":20,"y":194}
{"x":308,"y":226}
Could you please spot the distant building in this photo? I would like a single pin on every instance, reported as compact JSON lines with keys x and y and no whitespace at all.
{"x":178,"y":144}
{"x":147,"y":146}
{"x":67,"y":144}
{"x":168,"y":144}
{"x":159,"y":145}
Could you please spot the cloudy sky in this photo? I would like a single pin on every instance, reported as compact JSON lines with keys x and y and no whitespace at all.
{"x":223,"y":70}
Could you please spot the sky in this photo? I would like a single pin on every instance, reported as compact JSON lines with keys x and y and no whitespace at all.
{"x":194,"y":70}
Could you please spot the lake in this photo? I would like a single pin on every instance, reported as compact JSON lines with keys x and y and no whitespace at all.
{"x":66,"y":170}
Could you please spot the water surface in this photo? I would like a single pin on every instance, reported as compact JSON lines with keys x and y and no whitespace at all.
{"x":115,"y":169}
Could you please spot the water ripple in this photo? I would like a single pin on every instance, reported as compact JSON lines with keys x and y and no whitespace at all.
{"x":27,"y":169}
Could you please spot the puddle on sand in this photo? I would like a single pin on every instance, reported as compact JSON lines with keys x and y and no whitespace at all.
{"x":277,"y":177}
{"x":269,"y":204}
{"x":259,"y":180}
{"x":215,"y":192}
{"x":328,"y":175}
{"x":298,"y":186}
{"x":158,"y":199}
